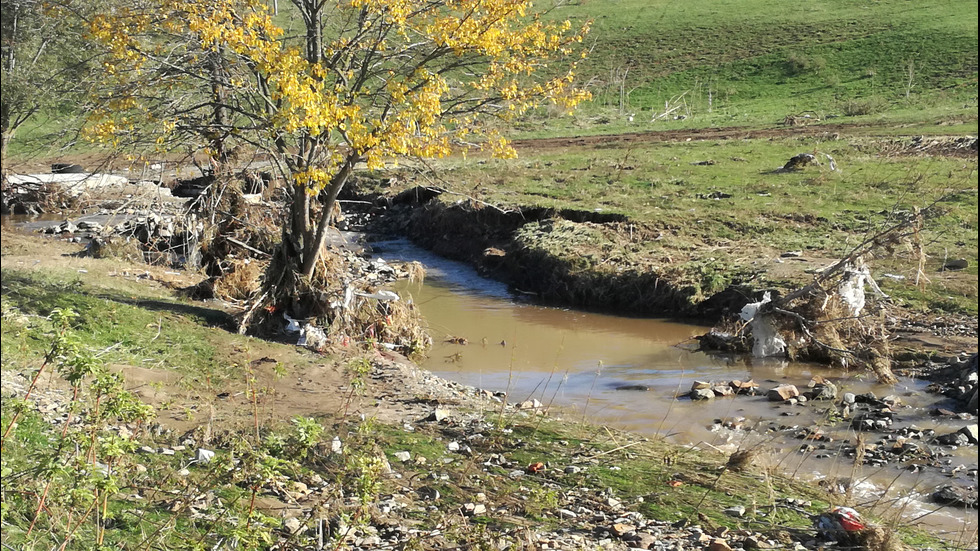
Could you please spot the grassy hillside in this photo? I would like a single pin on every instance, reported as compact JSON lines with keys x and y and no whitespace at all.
{"x":753,"y":62}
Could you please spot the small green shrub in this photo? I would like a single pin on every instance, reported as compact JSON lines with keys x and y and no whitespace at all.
{"x":800,"y":64}
{"x":863,"y":106}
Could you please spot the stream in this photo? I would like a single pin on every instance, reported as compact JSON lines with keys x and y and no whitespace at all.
{"x":634,"y":374}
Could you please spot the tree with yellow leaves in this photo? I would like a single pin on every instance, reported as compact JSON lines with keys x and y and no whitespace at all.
{"x":362,"y":82}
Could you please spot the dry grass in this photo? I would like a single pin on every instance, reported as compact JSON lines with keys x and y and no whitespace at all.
{"x":242,"y":282}
{"x":116,"y":247}
{"x":741,"y":459}
{"x":416,"y":272}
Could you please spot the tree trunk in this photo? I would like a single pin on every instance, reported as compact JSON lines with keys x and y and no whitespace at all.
{"x":219,"y":115}
{"x":314,"y":246}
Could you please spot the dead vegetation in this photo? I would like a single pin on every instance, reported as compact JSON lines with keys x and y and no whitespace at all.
{"x":830,"y":320}
{"x":35,"y":198}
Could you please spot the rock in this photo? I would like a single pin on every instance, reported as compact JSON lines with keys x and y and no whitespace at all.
{"x":293,"y":525}
{"x":723,"y":390}
{"x":474,"y":509}
{"x":744,"y":387}
{"x":453,"y":446}
{"x":565,"y":513}
{"x":643,"y":540}
{"x":971,"y":432}
{"x":823,"y":391}
{"x":336,"y":446}
{"x":403,"y":456}
{"x":619,"y":529}
{"x":956,"y":495}
{"x":203,"y":456}
{"x":737,"y":511}
{"x":719,"y":544}
{"x":702,"y":394}
{"x":428,"y":493}
{"x":756,"y":542}
{"x":798,"y":162}
{"x":892,"y":401}
{"x":782,"y":393}
{"x":573,"y":469}
{"x":849,"y":398}
{"x":700,"y":385}
{"x":439,"y":415}
{"x":952,"y":265}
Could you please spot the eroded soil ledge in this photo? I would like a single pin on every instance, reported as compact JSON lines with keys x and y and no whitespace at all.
{"x":565,"y":257}
{"x":602,"y":262}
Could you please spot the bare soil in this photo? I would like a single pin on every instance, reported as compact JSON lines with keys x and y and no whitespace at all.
{"x":291,"y":381}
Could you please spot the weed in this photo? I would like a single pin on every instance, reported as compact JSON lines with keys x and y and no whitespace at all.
{"x":863,"y":106}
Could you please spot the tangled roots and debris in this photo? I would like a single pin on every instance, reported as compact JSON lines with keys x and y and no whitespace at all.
{"x":236,"y":241}
{"x":342,"y":300}
{"x":876,"y":538}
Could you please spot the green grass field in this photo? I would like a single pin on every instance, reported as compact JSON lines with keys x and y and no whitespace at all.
{"x":754,"y":62}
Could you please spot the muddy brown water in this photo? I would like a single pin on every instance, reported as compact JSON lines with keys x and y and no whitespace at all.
{"x":632,"y":373}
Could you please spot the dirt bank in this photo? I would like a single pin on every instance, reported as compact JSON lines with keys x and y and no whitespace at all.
{"x":592,"y":260}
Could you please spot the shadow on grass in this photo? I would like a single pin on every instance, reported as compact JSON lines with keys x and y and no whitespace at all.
{"x":40,"y":295}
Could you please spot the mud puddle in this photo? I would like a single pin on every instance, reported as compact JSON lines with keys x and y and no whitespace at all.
{"x":630,"y":373}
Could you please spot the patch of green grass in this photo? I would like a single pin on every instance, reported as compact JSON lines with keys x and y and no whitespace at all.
{"x":122,"y":328}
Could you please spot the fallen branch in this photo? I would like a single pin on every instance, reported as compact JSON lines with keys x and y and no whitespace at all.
{"x":803,"y":326}
{"x":246,"y":246}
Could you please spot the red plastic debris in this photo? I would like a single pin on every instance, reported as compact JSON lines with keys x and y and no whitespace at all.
{"x":850,"y":519}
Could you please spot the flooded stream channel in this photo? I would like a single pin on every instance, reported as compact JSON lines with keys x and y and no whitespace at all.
{"x":634,"y":374}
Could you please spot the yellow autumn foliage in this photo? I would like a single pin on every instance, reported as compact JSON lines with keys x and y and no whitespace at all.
{"x":398,"y":77}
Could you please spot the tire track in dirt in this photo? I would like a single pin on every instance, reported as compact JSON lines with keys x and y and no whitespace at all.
{"x":699,"y":134}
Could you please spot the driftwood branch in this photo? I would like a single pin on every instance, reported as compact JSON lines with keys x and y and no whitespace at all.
{"x":246,"y":246}
{"x":851,"y":258}
{"x":243,"y":325}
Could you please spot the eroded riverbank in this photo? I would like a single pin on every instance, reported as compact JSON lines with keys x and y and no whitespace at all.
{"x":635,"y":374}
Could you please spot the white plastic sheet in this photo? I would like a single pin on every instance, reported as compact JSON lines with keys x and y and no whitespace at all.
{"x":767,"y":341}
